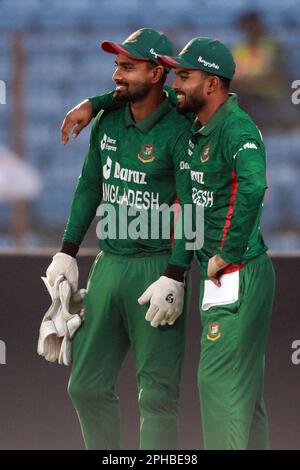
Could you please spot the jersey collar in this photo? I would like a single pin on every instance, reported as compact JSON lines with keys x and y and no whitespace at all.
{"x":148,"y":122}
{"x":218,"y":117}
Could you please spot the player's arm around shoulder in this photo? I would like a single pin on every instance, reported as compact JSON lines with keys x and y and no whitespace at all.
{"x":81,"y":115}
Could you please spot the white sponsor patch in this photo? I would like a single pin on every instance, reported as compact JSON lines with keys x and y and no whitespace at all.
{"x":107,"y":143}
{"x":208,"y":64}
{"x":248,"y":145}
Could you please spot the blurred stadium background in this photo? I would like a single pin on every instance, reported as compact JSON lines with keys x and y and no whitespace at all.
{"x":50,"y":60}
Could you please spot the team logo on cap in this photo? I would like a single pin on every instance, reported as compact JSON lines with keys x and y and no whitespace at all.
{"x":205,"y":155}
{"x":133,"y":37}
{"x":146,"y":153}
{"x":213,"y":331}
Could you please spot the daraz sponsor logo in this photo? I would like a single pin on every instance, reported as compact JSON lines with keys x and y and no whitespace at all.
{"x":123,"y":174}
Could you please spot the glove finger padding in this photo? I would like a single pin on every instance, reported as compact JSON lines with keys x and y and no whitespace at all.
{"x":77,"y":298}
{"x":65,"y":352}
{"x":76,"y":302}
{"x":72,"y":306}
{"x":151,"y":312}
{"x":72,"y":320}
{"x":54,"y":294}
{"x":158,"y":318}
{"x":48,"y":343}
{"x":173,"y":317}
{"x":53,"y":344}
{"x":65,"y":293}
{"x":47,"y":329}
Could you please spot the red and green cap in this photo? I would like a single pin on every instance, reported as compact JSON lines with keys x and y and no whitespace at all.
{"x":206,"y":54}
{"x":144,"y":44}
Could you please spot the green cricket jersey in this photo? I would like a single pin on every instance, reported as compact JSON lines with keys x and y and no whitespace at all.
{"x":134,"y":166}
{"x":228,"y":175}
{"x":226,"y":158}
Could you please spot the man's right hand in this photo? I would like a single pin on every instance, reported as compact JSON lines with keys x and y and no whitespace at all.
{"x":166,"y":297}
{"x":63,"y":265}
{"x":78,"y":118}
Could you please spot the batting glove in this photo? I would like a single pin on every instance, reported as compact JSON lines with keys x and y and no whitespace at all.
{"x":166,"y":297}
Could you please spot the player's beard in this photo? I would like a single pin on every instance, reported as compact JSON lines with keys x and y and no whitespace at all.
{"x":191,"y":102}
{"x":132,"y":93}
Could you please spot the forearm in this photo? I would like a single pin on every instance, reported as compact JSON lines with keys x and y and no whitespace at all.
{"x":182,"y":252}
{"x":104,"y":101}
{"x":246,"y":209}
{"x":84,"y":206}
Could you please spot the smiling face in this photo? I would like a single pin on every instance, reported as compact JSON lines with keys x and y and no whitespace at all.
{"x":194,"y":89}
{"x":191,"y":88}
{"x":134,"y":78}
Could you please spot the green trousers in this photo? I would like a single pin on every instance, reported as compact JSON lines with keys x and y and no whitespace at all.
{"x":114,"y":322}
{"x":231,"y":369}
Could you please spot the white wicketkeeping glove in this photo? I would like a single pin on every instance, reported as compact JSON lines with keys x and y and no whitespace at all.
{"x":63,"y":265}
{"x":60,"y":322}
{"x":71,"y":307}
{"x":166,"y":297}
{"x":49,"y":342}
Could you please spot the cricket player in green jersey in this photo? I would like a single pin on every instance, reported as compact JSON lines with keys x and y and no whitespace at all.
{"x":228,"y":177}
{"x":227,"y":171}
{"x":133,"y":162}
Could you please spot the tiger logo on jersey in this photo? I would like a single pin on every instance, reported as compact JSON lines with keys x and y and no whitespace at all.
{"x":146,"y":153}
